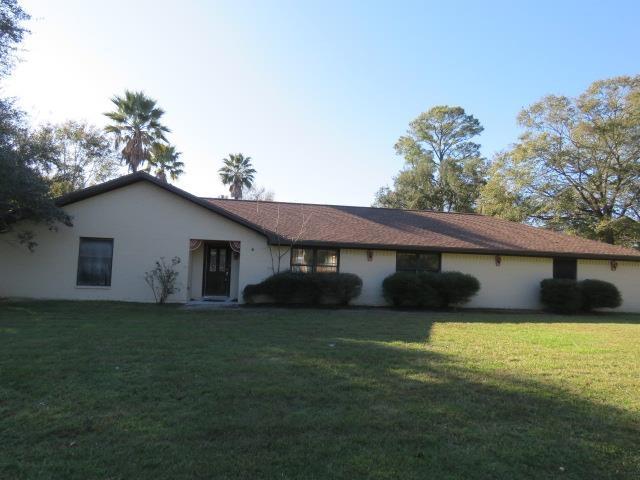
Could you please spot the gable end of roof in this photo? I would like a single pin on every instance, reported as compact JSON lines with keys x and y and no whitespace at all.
{"x":136,"y":177}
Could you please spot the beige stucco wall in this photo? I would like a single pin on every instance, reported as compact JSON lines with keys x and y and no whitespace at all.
{"x":196,"y":260}
{"x":235,"y":273}
{"x":146,"y":222}
{"x":513,"y":284}
{"x":371,"y":272}
{"x":626,"y":277}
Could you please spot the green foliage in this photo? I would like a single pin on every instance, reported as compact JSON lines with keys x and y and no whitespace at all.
{"x":285,"y":287}
{"x":455,"y":288}
{"x":136,"y":125}
{"x":444,"y":169}
{"x":25,"y":193}
{"x":561,"y":295}
{"x":12,"y":32}
{"x":306,"y":288}
{"x":576,"y":166}
{"x":165,"y":160}
{"x":338,"y":288}
{"x":82,"y":156}
{"x":314,"y":394}
{"x":571,"y":296}
{"x":429,"y":290}
{"x":504,"y":194}
{"x":599,"y":294}
{"x":238,"y":173}
{"x":162,"y":279}
{"x":408,"y":289}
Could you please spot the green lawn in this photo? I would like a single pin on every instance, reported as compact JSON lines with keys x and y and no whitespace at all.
{"x":122,"y":391}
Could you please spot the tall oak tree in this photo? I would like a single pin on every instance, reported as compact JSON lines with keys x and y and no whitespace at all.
{"x":576,"y":167}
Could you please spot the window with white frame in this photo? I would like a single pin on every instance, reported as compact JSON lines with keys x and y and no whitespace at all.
{"x":321,"y":260}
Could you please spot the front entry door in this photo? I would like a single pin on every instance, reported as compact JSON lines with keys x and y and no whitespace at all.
{"x":217,"y":268}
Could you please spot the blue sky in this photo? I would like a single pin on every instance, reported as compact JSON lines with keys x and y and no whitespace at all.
{"x":316,"y":92}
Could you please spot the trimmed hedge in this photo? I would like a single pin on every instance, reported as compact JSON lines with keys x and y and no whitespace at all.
{"x":406,"y":289}
{"x":571,"y":296}
{"x":599,"y":294}
{"x":305,"y":289}
{"x":429,"y":290}
{"x":560,"y":295}
{"x":456,"y":288}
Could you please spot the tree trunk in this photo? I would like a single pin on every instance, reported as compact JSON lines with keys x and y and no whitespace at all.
{"x":609,"y":236}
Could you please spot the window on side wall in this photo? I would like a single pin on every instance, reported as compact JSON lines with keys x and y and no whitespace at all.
{"x":565,"y":268}
{"x":95,"y":258}
{"x":417,"y":262}
{"x":321,"y":260}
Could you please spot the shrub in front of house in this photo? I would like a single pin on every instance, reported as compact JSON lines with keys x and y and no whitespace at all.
{"x":455,"y":288}
{"x":339,"y":288}
{"x":162,"y":279}
{"x":285,"y":287}
{"x":407,"y":289}
{"x":599,"y":294}
{"x":571,"y":296}
{"x":305,"y":289}
{"x":429,"y":290}
{"x":561,"y":295}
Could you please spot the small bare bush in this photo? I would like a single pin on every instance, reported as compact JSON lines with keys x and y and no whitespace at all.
{"x":162,"y":279}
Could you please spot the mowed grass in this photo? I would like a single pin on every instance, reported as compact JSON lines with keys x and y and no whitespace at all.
{"x":123,"y":391}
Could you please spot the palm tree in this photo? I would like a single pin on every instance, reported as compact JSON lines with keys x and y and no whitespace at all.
{"x":163,"y":160}
{"x":237,"y":173}
{"x":136,"y":125}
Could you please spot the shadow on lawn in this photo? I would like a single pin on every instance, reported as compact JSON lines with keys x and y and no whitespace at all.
{"x":422,"y":412}
{"x":274,"y":394}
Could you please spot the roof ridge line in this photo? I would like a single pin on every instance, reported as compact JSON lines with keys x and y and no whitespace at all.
{"x":345,"y":206}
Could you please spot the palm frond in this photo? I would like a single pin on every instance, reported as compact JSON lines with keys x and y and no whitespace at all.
{"x":163,"y":160}
{"x":136,"y":124}
{"x":237,"y":172}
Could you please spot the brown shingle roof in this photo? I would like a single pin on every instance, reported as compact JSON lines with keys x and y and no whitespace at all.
{"x":411,"y":229}
{"x":381,"y":228}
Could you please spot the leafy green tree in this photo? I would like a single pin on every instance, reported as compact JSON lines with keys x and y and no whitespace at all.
{"x":136,"y":125}
{"x":165,"y":160}
{"x":576,"y":167}
{"x":82,"y":156}
{"x":25,"y":196}
{"x":237,"y":173}
{"x":25,"y":193}
{"x":504,"y":193}
{"x":444,"y":169}
{"x":12,"y":31}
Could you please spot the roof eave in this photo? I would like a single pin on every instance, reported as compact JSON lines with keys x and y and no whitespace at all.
{"x":477,"y":251}
{"x":274,"y":239}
